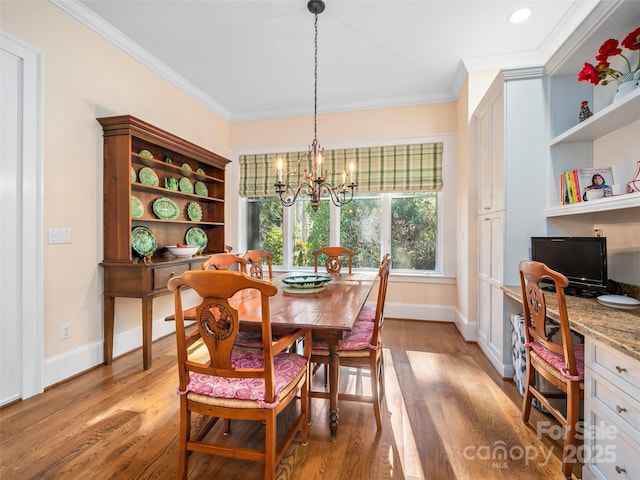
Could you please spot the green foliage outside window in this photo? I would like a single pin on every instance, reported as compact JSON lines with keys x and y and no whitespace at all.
{"x":413,"y":232}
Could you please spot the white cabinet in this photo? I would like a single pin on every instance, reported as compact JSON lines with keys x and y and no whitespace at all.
{"x":611,"y":413}
{"x":510,"y":147}
{"x":490,"y":125}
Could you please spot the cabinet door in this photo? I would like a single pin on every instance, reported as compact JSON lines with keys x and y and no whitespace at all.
{"x":490,"y":153}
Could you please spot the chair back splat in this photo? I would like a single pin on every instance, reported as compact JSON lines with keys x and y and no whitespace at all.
{"x":333,"y":262}
{"x":219,"y":380}
{"x":254,"y":260}
{"x":561,"y":364}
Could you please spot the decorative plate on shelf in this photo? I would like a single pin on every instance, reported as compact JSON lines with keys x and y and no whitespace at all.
{"x":147,"y":157}
{"x":137,"y":208}
{"x":143,"y":241}
{"x":306,"y":281}
{"x":132,"y":175}
{"x":186,"y":166}
{"x":196,"y":237}
{"x":201,"y":189}
{"x":194,"y":212}
{"x":167,"y":160}
{"x":148,"y":177}
{"x":185,"y":185}
{"x":165,"y":208}
{"x":200,"y":174}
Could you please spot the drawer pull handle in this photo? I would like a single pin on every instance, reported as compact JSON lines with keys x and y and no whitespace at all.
{"x":620,"y":369}
{"x":620,"y":469}
{"x":620,"y":409}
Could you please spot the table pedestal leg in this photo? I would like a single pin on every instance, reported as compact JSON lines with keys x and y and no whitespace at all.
{"x":107,"y":319}
{"x":334,"y":369}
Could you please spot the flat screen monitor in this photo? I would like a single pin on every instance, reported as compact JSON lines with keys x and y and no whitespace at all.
{"x":583,"y":260}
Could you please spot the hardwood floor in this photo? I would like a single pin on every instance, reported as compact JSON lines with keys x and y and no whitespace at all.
{"x":447,"y":415}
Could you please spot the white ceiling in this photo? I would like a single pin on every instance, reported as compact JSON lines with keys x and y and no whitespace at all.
{"x":254,"y":59}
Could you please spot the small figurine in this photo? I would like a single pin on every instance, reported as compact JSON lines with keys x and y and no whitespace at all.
{"x":585,"y":111}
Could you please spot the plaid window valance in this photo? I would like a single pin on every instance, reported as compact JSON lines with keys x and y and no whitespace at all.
{"x":397,"y":168}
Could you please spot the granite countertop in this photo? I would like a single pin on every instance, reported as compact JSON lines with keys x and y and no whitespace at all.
{"x":617,"y":328}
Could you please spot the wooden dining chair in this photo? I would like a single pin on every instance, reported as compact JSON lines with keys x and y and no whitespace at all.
{"x":333,"y":263}
{"x":219,"y":380}
{"x":561,"y":364}
{"x":225,"y":261}
{"x":255,"y":259}
{"x":361,"y":348}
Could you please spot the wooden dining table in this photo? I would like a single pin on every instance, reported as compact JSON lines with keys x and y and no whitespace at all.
{"x":329,"y":312}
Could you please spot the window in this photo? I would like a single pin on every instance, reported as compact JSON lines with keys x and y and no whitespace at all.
{"x":410,"y":220}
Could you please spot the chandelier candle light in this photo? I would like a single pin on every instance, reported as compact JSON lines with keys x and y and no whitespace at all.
{"x":315,"y":184}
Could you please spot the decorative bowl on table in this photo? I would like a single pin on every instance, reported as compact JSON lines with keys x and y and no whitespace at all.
{"x":182,"y":251}
{"x":306,"y":281}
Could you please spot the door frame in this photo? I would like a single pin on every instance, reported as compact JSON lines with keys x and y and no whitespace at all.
{"x":30,"y":271}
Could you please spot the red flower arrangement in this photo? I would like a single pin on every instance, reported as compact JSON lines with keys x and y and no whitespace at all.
{"x":602,"y":73}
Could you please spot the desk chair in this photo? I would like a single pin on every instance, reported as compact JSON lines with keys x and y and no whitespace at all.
{"x":562,"y":364}
{"x":222,"y":381}
{"x":255,"y":259}
{"x":333,"y":263}
{"x":361,"y":348}
{"x":225,"y":261}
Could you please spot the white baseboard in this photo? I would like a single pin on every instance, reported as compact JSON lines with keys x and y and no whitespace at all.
{"x":78,"y":360}
{"x":505,"y":370}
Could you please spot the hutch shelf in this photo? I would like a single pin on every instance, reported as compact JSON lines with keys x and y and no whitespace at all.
{"x":172,"y":189}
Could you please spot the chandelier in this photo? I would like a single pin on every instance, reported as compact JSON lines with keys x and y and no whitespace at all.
{"x":314,"y":184}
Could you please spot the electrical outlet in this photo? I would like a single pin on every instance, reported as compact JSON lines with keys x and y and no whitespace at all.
{"x":597,"y":232}
{"x":65,"y":331}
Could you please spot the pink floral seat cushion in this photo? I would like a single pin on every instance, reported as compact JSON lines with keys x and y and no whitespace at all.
{"x":287,"y":368}
{"x":557,"y":361}
{"x":357,"y":339}
{"x":367,"y":314}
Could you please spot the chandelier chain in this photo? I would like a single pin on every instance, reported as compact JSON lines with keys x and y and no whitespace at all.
{"x":315,"y":85}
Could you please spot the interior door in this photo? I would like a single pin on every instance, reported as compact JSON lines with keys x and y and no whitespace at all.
{"x":21,"y":291}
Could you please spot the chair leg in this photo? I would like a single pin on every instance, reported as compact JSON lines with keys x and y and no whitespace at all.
{"x":375,"y":392}
{"x":227,"y":427}
{"x":569,"y":449}
{"x":528,"y":396}
{"x":185,"y":434}
{"x":270,"y":446}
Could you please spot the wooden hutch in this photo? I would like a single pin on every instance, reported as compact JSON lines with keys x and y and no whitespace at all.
{"x":153,"y":193}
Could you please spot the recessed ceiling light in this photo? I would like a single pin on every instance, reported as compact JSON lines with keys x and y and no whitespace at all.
{"x":520,"y":15}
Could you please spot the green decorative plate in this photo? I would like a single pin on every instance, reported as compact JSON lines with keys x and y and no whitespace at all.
{"x":148,"y":177}
{"x":186,"y":166}
{"x":200,"y":174}
{"x":165,"y":209}
{"x":168,"y":160}
{"x":201,"y":189}
{"x":145,"y":153}
{"x":194,"y":212}
{"x":137,"y":208}
{"x":143,"y":241}
{"x":185,"y":185}
{"x":132,"y":175}
{"x":196,"y":237}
